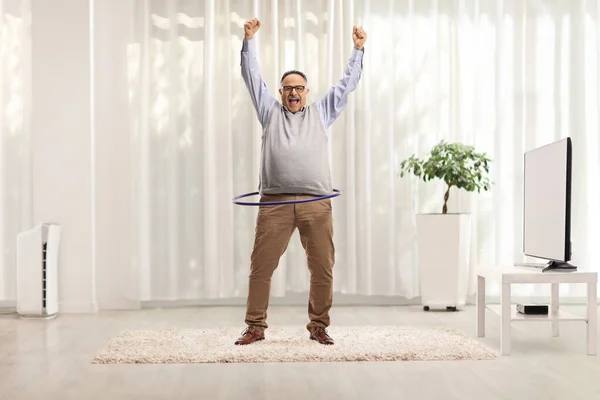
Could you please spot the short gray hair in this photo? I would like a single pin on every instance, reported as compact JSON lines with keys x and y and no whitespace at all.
{"x":294,"y":72}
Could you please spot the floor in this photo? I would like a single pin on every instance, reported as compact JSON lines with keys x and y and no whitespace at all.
{"x":51,"y":360}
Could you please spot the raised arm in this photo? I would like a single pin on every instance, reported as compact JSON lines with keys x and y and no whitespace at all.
{"x":336,"y":98}
{"x":259,"y":93}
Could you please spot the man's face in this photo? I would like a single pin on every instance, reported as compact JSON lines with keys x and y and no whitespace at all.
{"x":293,"y":92}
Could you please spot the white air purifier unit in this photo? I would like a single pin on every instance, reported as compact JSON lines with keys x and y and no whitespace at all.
{"x":37,"y":271}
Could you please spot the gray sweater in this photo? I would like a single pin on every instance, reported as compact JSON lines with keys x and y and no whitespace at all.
{"x":294,"y":154}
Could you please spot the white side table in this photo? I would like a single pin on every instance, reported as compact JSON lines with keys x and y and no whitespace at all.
{"x":509,"y":275}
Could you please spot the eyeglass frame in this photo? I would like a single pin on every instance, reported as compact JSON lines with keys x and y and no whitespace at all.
{"x":294,"y":88}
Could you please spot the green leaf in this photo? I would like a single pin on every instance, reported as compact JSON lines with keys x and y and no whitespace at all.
{"x":455,"y":164}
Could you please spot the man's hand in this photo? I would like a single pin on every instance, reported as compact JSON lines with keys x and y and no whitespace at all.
{"x":250,"y":28}
{"x":359,"y":36}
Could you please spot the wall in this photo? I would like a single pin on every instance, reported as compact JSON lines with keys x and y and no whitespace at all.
{"x":116,"y":280}
{"x":61,"y":141}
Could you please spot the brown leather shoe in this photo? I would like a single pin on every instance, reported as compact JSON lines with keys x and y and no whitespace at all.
{"x":320,"y":335}
{"x":250,"y":335}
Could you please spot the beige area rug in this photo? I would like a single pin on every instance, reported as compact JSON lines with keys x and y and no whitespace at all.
{"x":291,"y":344}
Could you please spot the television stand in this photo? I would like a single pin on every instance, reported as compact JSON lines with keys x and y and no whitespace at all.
{"x":506,"y":276}
{"x":559,"y":266}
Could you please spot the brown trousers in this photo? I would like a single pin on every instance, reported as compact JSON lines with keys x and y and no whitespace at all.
{"x":274,"y":228}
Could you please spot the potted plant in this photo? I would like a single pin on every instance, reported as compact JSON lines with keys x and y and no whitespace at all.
{"x":443,"y":239}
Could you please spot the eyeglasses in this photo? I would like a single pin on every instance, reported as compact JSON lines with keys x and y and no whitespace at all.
{"x":299,"y":89}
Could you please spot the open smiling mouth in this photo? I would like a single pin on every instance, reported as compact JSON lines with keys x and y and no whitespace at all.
{"x":294,"y":101}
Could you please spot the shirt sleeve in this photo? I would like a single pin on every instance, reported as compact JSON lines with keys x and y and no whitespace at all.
{"x":259,"y":93}
{"x":336,"y":98}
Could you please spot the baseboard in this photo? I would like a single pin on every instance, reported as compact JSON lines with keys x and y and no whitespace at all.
{"x":8,"y":307}
{"x":294,"y":299}
{"x":78,"y":307}
{"x":348,"y":300}
{"x":4,"y":304}
{"x":119,"y":305}
{"x":69,"y":307}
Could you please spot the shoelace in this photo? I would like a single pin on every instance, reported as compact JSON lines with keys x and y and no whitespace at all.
{"x":248,"y":330}
{"x":319,"y":330}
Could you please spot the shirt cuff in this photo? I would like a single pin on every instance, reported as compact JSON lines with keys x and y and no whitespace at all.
{"x":357,"y":55}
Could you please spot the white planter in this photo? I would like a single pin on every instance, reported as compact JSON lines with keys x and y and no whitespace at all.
{"x":443,"y":251}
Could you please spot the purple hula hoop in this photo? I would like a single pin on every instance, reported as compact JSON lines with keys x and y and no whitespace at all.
{"x":236,"y":199}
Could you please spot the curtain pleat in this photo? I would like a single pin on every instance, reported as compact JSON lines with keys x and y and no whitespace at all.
{"x":15,"y":131}
{"x":505,"y":76}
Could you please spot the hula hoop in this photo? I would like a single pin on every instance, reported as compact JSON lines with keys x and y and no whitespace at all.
{"x":236,"y":199}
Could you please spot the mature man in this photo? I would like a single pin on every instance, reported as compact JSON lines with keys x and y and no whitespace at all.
{"x":294,"y":165}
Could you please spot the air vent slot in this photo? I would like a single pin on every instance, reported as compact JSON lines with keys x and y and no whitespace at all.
{"x":44,"y":275}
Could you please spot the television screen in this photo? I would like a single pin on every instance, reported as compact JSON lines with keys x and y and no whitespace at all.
{"x":547,"y":201}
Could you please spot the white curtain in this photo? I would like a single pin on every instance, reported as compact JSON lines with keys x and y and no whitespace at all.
{"x":15,"y":171}
{"x":505,"y":76}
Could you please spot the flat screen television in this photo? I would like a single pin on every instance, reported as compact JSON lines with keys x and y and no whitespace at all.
{"x":547,"y":204}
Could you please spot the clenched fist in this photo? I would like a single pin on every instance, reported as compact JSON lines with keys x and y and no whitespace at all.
{"x":250,"y":28}
{"x":359,"y":36}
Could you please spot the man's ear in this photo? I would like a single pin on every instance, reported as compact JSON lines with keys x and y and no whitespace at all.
{"x":281,"y":92}
{"x":307,"y":90}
